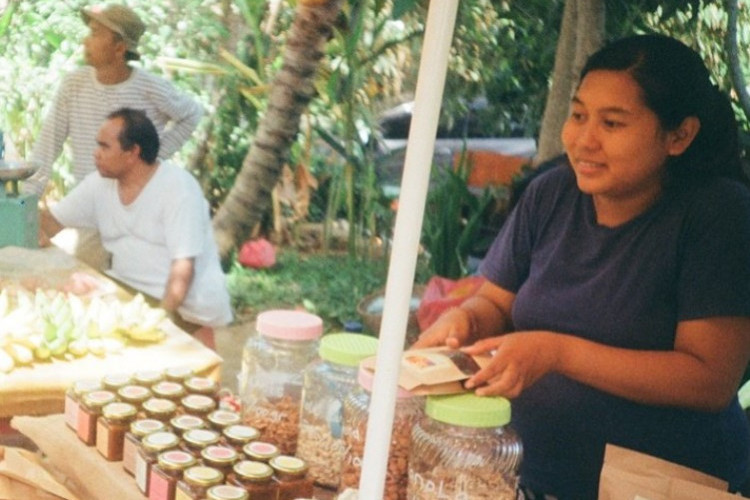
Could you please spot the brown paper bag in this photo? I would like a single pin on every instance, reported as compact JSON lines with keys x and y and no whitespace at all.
{"x":23,"y":477}
{"x":630,"y":475}
{"x":435,"y":370}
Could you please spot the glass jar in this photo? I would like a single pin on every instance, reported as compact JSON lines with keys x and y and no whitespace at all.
{"x":159,"y":409}
{"x":226,"y":492}
{"x":198,"y":405}
{"x":178,"y":374}
{"x":290,"y":474}
{"x":239,"y":435}
{"x":270,"y":381}
{"x":463,"y":448}
{"x":115,"y":382}
{"x":256,"y":478}
{"x":219,"y":419}
{"x":202,"y":385}
{"x":92,"y":404}
{"x":134,"y":394}
{"x":196,"y":481}
{"x":148,"y":452}
{"x":220,"y":457}
{"x":111,"y":427}
{"x":194,"y":440}
{"x":327,"y":382}
{"x":138,"y":430}
{"x":167,"y":389}
{"x":408,"y":411}
{"x":183,"y":423}
{"x":148,"y":378}
{"x":73,"y":397}
{"x":260,"y":451}
{"x":167,"y":472}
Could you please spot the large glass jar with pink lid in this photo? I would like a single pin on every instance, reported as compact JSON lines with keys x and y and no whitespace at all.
{"x":270,"y":381}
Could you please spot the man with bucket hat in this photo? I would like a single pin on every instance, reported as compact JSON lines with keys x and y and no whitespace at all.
{"x":88,"y":94}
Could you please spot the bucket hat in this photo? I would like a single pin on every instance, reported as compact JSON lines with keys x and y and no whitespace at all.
{"x":120,"y":19}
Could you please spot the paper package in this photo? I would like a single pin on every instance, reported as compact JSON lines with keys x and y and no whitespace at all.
{"x":435,"y":370}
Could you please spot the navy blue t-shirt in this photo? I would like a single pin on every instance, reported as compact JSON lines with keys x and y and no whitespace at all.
{"x":686,"y":257}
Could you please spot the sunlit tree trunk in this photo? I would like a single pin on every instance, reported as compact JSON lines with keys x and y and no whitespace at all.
{"x":733,"y":52}
{"x":581,"y":34}
{"x":292,"y":89}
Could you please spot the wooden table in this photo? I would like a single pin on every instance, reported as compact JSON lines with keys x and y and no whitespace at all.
{"x":39,"y":389}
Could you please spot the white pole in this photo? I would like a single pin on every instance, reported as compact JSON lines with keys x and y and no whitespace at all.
{"x":441,"y":19}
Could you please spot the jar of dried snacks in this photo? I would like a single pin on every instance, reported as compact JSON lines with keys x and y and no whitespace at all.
{"x":328,"y":381}
{"x":270,"y":381}
{"x":464,"y":448}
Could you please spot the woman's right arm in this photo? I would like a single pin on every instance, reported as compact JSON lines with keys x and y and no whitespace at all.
{"x":484,"y":314}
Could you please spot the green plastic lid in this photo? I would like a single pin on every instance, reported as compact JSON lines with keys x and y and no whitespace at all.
{"x":347,"y":349}
{"x":469,"y":410}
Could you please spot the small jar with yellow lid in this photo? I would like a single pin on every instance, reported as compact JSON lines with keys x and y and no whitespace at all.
{"x":167,"y":389}
{"x":290,"y":474}
{"x":220,"y":457}
{"x":219,"y":419}
{"x":134,"y":394}
{"x":178,"y":374}
{"x":256,"y":478}
{"x":180,"y":424}
{"x":202,"y":385}
{"x":111,"y":427}
{"x":151,"y":446}
{"x":159,"y":409}
{"x":73,"y":397}
{"x":239,"y":435}
{"x":92,"y":404}
{"x":138,"y":430}
{"x":261,"y":451}
{"x":115,"y":381}
{"x":148,"y":378}
{"x":194,"y":440}
{"x":198,"y":405}
{"x":226,"y":492}
{"x":167,"y":472}
{"x":196,"y":481}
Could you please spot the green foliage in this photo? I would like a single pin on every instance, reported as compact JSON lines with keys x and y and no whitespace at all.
{"x":327,"y":285}
{"x":454,"y":221}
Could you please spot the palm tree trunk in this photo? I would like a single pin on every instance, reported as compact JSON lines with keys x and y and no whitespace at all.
{"x":292,"y":89}
{"x":581,"y":34}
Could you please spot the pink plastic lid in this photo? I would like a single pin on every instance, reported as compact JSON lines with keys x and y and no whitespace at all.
{"x":289,"y":325}
{"x":365,"y":378}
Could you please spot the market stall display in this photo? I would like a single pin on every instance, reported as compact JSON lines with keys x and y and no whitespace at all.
{"x":109,"y":344}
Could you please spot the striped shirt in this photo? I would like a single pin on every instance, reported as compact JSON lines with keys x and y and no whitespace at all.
{"x":82,"y":105}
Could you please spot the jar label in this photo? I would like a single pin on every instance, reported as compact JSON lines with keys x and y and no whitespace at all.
{"x":71,"y":412}
{"x":159,"y":487}
{"x":141,"y":473}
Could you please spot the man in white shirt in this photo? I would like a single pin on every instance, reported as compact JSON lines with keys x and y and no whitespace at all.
{"x":152,"y":217}
{"x":108,"y":82}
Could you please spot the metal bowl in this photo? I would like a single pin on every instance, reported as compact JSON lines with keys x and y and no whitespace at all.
{"x":16,"y":170}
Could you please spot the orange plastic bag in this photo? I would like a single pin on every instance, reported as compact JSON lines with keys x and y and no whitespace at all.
{"x":442,"y":294}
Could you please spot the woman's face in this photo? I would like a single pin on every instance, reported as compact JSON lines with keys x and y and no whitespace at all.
{"x":615,"y":143}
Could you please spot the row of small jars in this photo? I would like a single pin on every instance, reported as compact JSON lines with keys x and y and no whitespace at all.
{"x":169,"y":468}
{"x":101,"y":410}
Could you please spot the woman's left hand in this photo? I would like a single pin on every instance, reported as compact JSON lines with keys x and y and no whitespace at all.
{"x":519,"y":360}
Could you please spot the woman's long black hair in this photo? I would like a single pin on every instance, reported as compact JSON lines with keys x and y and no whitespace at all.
{"x":676,"y":84}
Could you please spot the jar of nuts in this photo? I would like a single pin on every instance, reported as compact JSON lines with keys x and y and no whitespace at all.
{"x":270,"y":381}
{"x":463,"y":448}
{"x":408,"y":411}
{"x":328,"y":381}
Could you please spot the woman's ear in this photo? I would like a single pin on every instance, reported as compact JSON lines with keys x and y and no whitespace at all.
{"x":681,"y":138}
